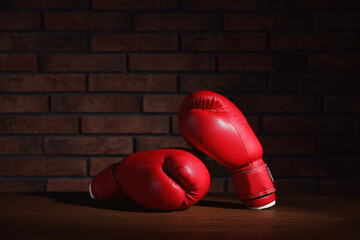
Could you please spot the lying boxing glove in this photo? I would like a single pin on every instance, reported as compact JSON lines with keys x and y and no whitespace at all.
{"x":212,"y":124}
{"x":163,"y":179}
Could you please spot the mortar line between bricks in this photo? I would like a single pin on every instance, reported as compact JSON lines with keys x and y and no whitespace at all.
{"x":201,"y":31}
{"x":179,"y":39}
{"x":178,"y":82}
{"x":179,"y":94}
{"x":216,"y":63}
{"x":168,"y":135}
{"x":132,"y":22}
{"x":183,"y":93}
{"x":78,"y":157}
{"x":134,"y":143}
{"x":354,"y":51}
{"x":110,"y":114}
{"x":86,"y":83}
{"x":50,"y":104}
{"x":43,"y":151}
{"x":88,"y":166}
{"x":45,"y":184}
{"x":229,"y":178}
{"x":153,"y":114}
{"x":44,"y":177}
{"x":182,"y":11}
{"x":79,"y":125}
{"x":277,"y":72}
{"x":127,"y":63}
{"x":83,"y":157}
{"x":170,"y":124}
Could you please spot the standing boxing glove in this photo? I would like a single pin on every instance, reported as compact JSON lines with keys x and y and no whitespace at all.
{"x":212,"y":124}
{"x":163,"y":179}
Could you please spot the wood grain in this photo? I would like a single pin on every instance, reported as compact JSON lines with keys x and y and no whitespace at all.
{"x":75,"y":216}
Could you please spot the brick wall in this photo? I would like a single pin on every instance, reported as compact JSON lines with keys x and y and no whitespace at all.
{"x":85,"y":82}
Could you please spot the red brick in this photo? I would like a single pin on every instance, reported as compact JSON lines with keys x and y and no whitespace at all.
{"x":68,"y":185}
{"x":314,"y":167}
{"x":307,"y":124}
{"x":267,"y":21}
{"x":295,"y":167}
{"x":88,"y":21}
{"x":42,"y":5}
{"x":42,"y":83}
{"x":162,"y":103}
{"x":135,"y":5}
{"x":42,"y":42}
{"x":38,"y":125}
{"x":82,"y":62}
{"x":125,"y":124}
{"x":317,"y":4}
{"x":99,"y":164}
{"x":88,"y":146}
{"x":217,"y":185}
{"x":340,"y":187}
{"x":132,"y":83}
{"x":175,"y":125}
{"x":23,"y":104}
{"x":134,"y":42}
{"x":22,"y":185}
{"x":334,"y":61}
{"x":278,"y":103}
{"x":321,"y":83}
{"x":315,"y":41}
{"x":343,"y":146}
{"x":223,"y":41}
{"x":224,"y":4}
{"x":296,"y":186}
{"x":20,"y":146}
{"x":177,"y":22}
{"x":95,"y":103}
{"x":172,"y":62}
{"x":337,"y":20}
{"x":151,"y":143}
{"x":20,"y":20}
{"x":18,"y":62}
{"x":254,"y":123}
{"x":223,"y":82}
{"x":342,"y":103}
{"x":218,"y":170}
{"x":262,"y":62}
{"x":42,"y":167}
{"x":231,"y":186}
{"x":287,"y":145}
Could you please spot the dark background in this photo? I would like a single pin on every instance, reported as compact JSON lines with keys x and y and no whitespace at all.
{"x":85,"y":82}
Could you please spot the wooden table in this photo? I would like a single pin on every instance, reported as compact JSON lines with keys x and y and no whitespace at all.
{"x":76,"y":216}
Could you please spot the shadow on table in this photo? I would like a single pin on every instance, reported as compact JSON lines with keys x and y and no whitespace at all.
{"x":127,"y":205}
{"x":220,"y":204}
{"x":83,"y":199}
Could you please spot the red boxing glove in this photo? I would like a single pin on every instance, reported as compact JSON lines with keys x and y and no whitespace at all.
{"x":212,"y":124}
{"x":163,"y":179}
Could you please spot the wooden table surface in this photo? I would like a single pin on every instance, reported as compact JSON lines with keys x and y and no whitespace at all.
{"x":76,"y":216}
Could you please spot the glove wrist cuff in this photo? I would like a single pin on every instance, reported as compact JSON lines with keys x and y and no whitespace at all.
{"x":254,"y":183}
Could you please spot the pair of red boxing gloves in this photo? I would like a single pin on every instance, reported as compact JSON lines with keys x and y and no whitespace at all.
{"x":173,"y":179}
